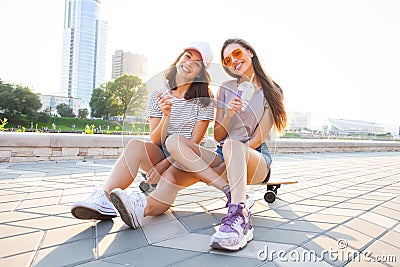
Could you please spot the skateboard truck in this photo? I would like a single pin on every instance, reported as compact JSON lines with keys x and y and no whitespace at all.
{"x":145,"y":187}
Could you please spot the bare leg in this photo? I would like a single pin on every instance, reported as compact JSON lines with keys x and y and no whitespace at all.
{"x":196,"y":159}
{"x":175,"y":176}
{"x":137,"y":154}
{"x":244,"y":166}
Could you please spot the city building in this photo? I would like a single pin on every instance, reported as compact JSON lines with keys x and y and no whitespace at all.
{"x":344,"y":127}
{"x":84,"y":49}
{"x":128,"y":63}
{"x":51,"y":102}
{"x":299,"y":120}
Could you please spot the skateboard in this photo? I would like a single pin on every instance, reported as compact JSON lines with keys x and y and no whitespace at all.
{"x":272,"y":189}
{"x":145,"y":187}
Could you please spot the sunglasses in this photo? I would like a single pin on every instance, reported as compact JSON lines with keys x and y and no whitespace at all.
{"x":237,"y":53}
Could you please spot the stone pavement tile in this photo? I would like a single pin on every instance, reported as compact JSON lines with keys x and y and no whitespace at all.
{"x":387,"y":212}
{"x":362,"y":261}
{"x":307,"y":226}
{"x":366,"y":227}
{"x":328,"y":218}
{"x":301,"y":208}
{"x":281,"y":236}
{"x":217,"y":260}
{"x":191,"y":241}
{"x":256,"y":248}
{"x":341,"y":212}
{"x":392,"y":238}
{"x":393,"y":204}
{"x":68,"y":234}
{"x":199,"y":221}
{"x":354,"y":206}
{"x":100,"y":263}
{"x":163,"y":231}
{"x":149,"y":256}
{"x":300,"y":257}
{"x":12,"y":216}
{"x":21,"y":259}
{"x":7,"y":231}
{"x":285,"y":214}
{"x":384,"y":252}
{"x":116,"y":243}
{"x":65,"y":254}
{"x":38,"y":202}
{"x":316,"y":202}
{"x":108,"y":226}
{"x":378,"y":219}
{"x":353,"y":238}
{"x":22,"y":243}
{"x":47,"y":222}
{"x":187,"y":209}
{"x":264,"y":221}
{"x":55,"y":209}
{"x":333,"y":199}
{"x":328,"y":249}
{"x":11,"y":196}
{"x":166,"y":216}
{"x":8,"y":206}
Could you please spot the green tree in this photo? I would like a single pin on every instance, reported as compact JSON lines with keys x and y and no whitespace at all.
{"x":83,"y":113}
{"x":128,"y":95}
{"x":18,"y":100}
{"x":100,"y":102}
{"x":125,"y":95}
{"x":64,"y":110}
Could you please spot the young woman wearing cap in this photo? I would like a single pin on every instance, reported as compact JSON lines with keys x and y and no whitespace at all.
{"x":247,"y":109}
{"x":186,"y":110}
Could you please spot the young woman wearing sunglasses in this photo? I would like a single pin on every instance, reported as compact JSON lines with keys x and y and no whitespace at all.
{"x":247,"y":109}
{"x":186,"y":110}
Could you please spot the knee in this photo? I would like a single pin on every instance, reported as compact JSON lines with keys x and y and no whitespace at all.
{"x":134,"y":144}
{"x":172,"y":143}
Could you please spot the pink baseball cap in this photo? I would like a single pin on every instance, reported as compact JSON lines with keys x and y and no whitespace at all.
{"x":204,"y":49}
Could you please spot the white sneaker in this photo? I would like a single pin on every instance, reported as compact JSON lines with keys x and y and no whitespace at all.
{"x":95,"y":207}
{"x":235,"y":230}
{"x":131,"y":208}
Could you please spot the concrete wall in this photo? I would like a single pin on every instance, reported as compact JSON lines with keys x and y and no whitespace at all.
{"x":21,"y":147}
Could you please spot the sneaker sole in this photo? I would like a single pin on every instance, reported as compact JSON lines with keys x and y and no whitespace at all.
{"x":85,"y":213}
{"x":119,"y":199}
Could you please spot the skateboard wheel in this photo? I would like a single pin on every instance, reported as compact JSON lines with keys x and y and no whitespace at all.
{"x":144,"y":186}
{"x":270,"y":196}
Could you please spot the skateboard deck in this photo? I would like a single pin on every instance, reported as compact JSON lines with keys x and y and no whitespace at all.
{"x":272,"y":188}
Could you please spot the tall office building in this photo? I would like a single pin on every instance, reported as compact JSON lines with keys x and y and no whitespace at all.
{"x":84,"y":49}
{"x":128,"y":63}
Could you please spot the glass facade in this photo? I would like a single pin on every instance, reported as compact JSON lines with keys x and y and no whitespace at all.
{"x":84,"y":49}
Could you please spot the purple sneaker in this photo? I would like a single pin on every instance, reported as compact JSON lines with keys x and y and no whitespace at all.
{"x":235,"y":230}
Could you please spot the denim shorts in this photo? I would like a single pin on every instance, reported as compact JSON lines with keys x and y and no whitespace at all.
{"x":165,"y":151}
{"x":263,"y":149}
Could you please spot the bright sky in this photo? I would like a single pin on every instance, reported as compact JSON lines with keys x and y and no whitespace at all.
{"x":333,"y":58}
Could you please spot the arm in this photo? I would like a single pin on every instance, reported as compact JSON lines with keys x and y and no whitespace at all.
{"x":223,"y":120}
{"x":262,"y":130}
{"x":159,"y":126}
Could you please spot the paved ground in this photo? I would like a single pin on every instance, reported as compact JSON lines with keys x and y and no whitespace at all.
{"x":345,"y":210}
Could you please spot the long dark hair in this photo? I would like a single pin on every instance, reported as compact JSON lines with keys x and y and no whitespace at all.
{"x":272,"y":91}
{"x":199,"y":89}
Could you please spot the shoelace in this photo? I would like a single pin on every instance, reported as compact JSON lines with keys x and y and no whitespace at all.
{"x":234,"y":213}
{"x":136,"y":200}
{"x":95,"y":196}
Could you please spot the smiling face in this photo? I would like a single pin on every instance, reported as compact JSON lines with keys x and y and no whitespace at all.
{"x":189,"y":65}
{"x":239,"y":59}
